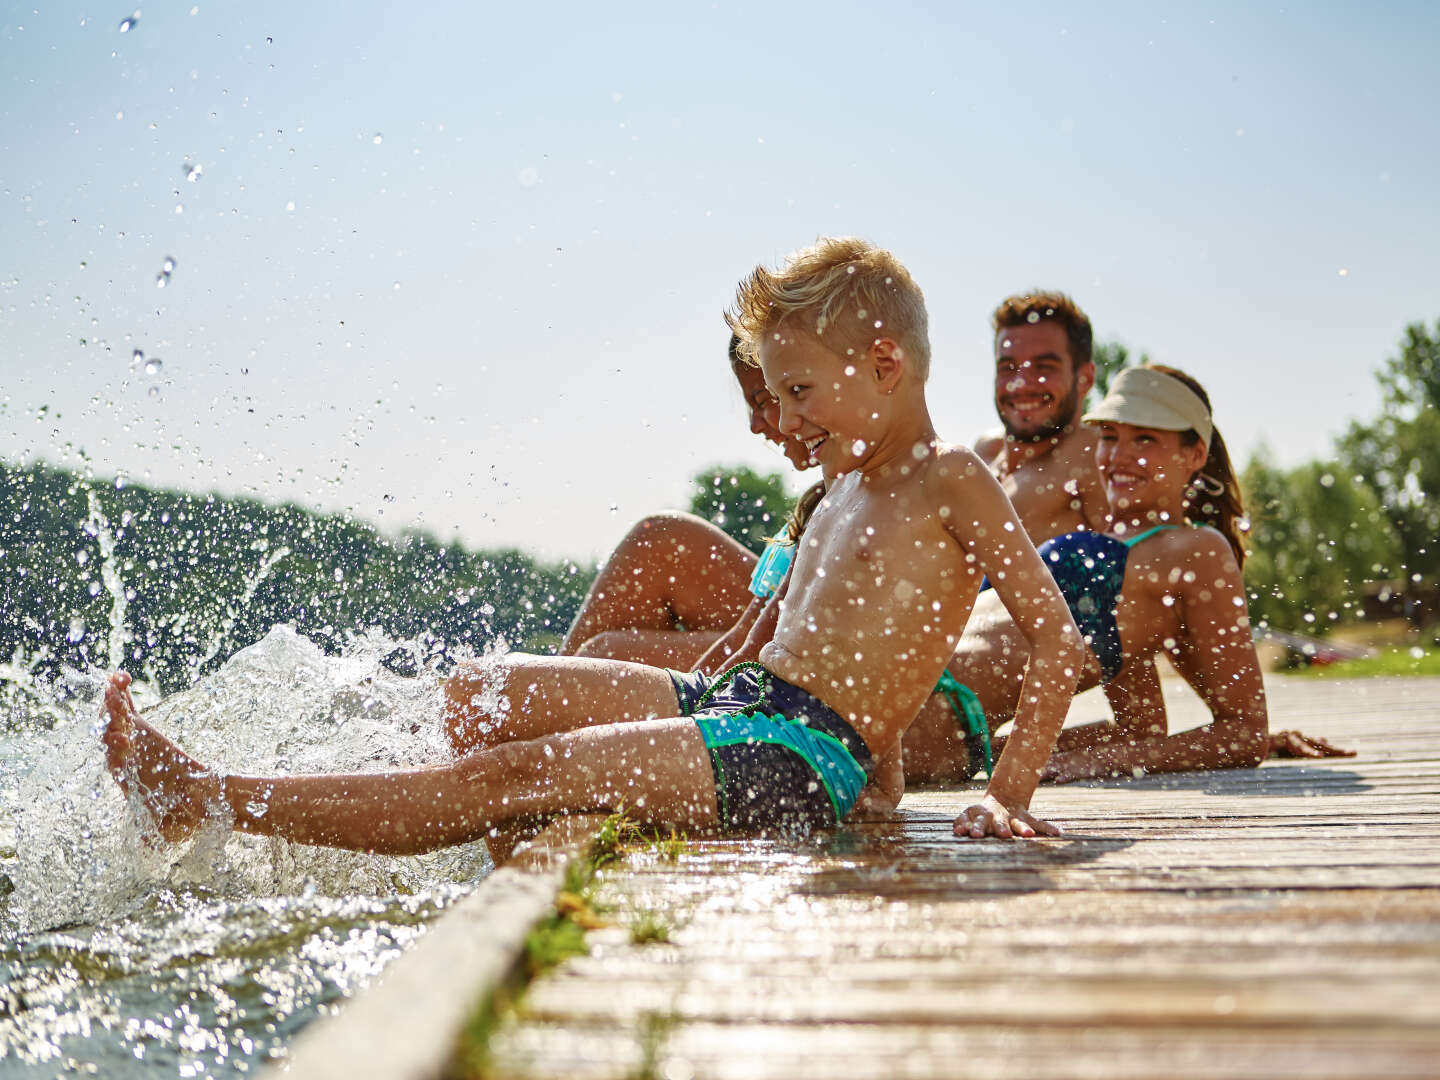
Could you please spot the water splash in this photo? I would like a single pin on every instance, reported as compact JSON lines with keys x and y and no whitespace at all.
{"x":98,"y":526}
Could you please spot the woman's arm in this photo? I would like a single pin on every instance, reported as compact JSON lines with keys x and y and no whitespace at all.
{"x":1216,"y":656}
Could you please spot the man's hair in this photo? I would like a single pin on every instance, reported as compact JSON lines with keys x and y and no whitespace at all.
{"x":844,"y":292}
{"x":1026,"y":309}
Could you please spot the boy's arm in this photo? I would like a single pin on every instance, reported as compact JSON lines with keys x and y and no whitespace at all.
{"x":1217,"y":658}
{"x":991,"y":531}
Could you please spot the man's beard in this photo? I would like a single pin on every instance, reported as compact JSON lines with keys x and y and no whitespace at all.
{"x":1052,"y":430}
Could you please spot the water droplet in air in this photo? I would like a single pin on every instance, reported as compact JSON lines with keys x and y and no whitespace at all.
{"x":378,"y":139}
{"x":192,"y":172}
{"x":256,"y":809}
{"x":152,"y":366}
{"x":94,"y":588}
{"x":77,"y":631}
{"x":137,"y":358}
{"x":126,"y":25}
{"x":162,"y":279}
{"x":857,"y":447}
{"x":168,"y":265}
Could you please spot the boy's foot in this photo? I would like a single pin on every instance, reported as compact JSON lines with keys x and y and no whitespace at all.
{"x":176,"y":789}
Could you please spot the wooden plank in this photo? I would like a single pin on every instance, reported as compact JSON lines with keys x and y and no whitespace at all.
{"x":1280,"y":922}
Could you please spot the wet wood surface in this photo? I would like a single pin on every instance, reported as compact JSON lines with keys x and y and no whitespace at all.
{"x":1283,"y":922}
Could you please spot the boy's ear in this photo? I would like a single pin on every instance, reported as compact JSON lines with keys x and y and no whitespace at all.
{"x":888,"y":360}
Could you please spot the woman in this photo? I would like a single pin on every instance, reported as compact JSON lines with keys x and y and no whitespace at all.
{"x":1166,"y":578}
{"x":676,"y":583}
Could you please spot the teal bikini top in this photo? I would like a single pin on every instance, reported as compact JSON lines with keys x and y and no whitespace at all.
{"x":774,"y":561}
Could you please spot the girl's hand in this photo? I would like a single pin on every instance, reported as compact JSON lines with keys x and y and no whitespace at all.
{"x":991,"y":817}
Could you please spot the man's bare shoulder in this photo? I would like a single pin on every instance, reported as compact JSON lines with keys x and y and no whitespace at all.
{"x":989,"y":444}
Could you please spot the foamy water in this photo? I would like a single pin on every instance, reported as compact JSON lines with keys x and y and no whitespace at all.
{"x":121,"y":957}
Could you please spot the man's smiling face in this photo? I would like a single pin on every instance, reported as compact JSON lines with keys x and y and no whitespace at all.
{"x":1037,"y":387}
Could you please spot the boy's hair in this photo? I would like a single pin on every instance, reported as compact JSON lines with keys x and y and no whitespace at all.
{"x":843,"y":291}
{"x":1025,"y":309}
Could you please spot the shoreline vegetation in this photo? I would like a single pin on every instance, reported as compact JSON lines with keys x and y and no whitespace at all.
{"x":169,"y":584}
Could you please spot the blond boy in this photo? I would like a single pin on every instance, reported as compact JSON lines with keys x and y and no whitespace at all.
{"x":879,"y":593}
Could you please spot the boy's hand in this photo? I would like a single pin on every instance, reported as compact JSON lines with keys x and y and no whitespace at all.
{"x":991,"y":817}
{"x":882,"y":794}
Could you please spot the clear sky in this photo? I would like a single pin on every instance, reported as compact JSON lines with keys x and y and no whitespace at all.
{"x":462,"y":266}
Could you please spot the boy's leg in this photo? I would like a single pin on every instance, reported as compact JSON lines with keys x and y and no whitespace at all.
{"x":659,"y":770}
{"x":671,"y":571}
{"x":525,"y":697}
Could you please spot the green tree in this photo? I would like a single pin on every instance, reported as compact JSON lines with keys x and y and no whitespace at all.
{"x":750,"y":506}
{"x":1398,"y":454}
{"x":1110,"y":358}
{"x":1317,"y":535}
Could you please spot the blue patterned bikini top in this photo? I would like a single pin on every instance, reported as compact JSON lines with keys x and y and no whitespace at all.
{"x":1089,"y":568}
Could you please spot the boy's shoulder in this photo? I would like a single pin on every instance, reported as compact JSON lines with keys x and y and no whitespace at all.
{"x":956,"y":462}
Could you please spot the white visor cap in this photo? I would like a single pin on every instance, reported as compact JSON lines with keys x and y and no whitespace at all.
{"x":1149,"y":398}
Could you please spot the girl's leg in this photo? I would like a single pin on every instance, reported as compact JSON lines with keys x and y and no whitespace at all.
{"x":525,"y":697}
{"x":672,"y":572}
{"x":659,"y":770}
{"x":679,"y":649}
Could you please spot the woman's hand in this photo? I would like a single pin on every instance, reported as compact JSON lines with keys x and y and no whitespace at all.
{"x":1296,"y":744}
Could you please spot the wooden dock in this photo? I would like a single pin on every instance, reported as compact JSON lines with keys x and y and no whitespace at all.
{"x":1275,"y":923}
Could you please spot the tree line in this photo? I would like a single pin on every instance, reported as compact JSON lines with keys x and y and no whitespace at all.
{"x":171,"y":584}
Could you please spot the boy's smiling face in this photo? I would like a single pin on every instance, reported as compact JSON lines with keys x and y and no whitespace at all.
{"x":827,"y":401}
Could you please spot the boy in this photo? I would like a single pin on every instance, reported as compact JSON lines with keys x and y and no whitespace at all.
{"x":879,"y":593}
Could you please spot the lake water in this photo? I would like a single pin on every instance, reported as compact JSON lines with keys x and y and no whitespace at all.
{"x":123,"y":958}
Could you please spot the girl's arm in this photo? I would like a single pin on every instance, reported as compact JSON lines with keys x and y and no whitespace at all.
{"x":714,"y":659}
{"x":757,"y":629}
{"x":1216,"y":656}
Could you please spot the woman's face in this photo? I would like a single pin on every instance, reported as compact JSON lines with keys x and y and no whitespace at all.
{"x":765,"y":415}
{"x":1145,"y":468}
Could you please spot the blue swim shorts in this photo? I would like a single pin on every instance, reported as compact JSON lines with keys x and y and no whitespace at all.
{"x":784,"y":760}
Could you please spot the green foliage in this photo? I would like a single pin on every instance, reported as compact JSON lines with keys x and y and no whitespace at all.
{"x":1316,"y":536}
{"x":1398,"y":453}
{"x":172,"y":584}
{"x":1403,"y":660}
{"x":749,"y":506}
{"x":1110,"y":358}
{"x":649,"y":928}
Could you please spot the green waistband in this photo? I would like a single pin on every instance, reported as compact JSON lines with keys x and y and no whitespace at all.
{"x":969,"y":713}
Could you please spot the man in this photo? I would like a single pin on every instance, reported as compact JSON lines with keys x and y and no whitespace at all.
{"x":1045,"y":461}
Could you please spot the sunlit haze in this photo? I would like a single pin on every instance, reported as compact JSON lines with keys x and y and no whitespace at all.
{"x":462,"y":267}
